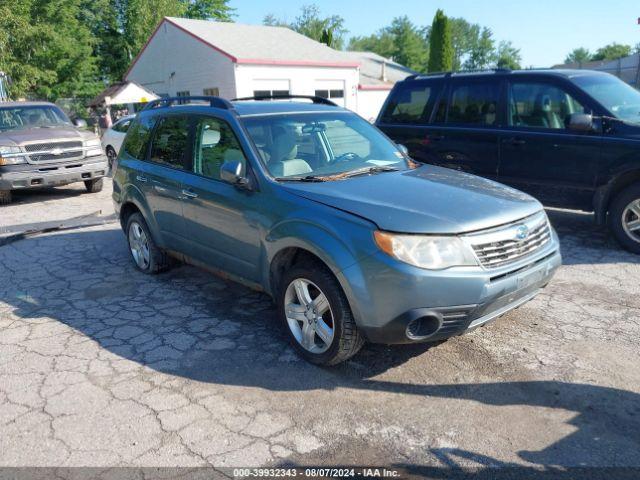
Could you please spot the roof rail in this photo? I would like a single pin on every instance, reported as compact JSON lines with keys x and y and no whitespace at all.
{"x":459,"y":72}
{"x":313,"y":98}
{"x":215,"y":102}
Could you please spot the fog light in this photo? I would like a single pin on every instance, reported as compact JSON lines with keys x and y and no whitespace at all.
{"x":423,"y":327}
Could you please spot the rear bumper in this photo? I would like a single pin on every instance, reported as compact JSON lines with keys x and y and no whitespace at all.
{"x":443,"y":304}
{"x":51,"y":175}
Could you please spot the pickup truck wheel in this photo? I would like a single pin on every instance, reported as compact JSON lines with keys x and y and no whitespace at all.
{"x":317,"y":316}
{"x":146,"y":255}
{"x":5,"y":197}
{"x":94,"y":186}
{"x":624,"y":218}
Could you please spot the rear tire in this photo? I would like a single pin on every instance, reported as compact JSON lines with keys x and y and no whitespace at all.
{"x":5,"y":197}
{"x":320,"y":326}
{"x":94,"y":186}
{"x":624,"y":218}
{"x":147,"y":257}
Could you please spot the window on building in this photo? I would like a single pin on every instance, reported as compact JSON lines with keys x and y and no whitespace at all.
{"x":169,"y":142}
{"x":211,"y":92}
{"x":137,"y":140}
{"x":330,"y":94}
{"x":540,"y":105}
{"x":270,"y":93}
{"x":183,"y":93}
{"x":215,"y":144}
{"x":409,"y":104}
{"x":473,"y":103}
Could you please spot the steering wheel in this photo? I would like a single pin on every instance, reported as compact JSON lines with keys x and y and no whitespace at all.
{"x":345,"y":157}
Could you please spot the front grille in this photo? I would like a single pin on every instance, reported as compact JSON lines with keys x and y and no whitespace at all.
{"x":44,"y":152}
{"x":40,"y":147}
{"x":502,"y":246}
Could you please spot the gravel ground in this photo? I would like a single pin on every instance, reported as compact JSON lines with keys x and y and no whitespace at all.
{"x":102,"y":366}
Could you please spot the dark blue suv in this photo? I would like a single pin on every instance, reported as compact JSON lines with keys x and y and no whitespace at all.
{"x":571,"y":138}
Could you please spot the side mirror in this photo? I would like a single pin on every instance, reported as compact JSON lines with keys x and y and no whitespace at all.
{"x":580,"y":122}
{"x":231,"y":172}
{"x":80,"y":123}
{"x":403,"y":149}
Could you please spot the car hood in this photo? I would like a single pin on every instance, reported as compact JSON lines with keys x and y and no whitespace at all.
{"x":428,"y":199}
{"x":29,"y":135}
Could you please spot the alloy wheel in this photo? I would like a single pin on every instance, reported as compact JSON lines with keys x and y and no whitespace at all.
{"x":139,"y":244}
{"x":309,"y":315}
{"x":631,"y":220}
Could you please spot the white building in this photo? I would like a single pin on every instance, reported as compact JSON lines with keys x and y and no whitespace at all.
{"x":198,"y":57}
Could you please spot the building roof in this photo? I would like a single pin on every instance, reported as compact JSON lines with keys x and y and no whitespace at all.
{"x":262,"y":45}
{"x":377,"y":71}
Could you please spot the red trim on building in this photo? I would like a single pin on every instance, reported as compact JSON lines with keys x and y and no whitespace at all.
{"x":296,"y":63}
{"x":375,"y":87}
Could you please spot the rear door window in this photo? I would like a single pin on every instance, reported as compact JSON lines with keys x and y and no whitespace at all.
{"x":474,"y":103}
{"x":411,"y":103}
{"x":170,"y":141}
{"x":136,"y":142}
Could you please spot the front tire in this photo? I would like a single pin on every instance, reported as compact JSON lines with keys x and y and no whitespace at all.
{"x":5,"y":197}
{"x":94,"y":186}
{"x":624,"y":218}
{"x":147,"y":257}
{"x":316,"y":314}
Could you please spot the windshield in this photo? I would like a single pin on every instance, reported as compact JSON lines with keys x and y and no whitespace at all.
{"x":621,"y":99}
{"x":310,"y":145}
{"x":37,"y":116}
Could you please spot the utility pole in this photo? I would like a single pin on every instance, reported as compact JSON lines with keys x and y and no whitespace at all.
{"x":4,"y":92}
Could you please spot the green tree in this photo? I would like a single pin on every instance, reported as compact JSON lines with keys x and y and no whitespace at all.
{"x":311,"y":24}
{"x":464,"y":37}
{"x":612,"y":51}
{"x":507,"y":56}
{"x":382,"y":43}
{"x":578,"y":55}
{"x":47,"y":49}
{"x":441,"y":50}
{"x":482,"y":54}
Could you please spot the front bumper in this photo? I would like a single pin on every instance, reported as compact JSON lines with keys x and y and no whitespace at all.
{"x":51,"y":175}
{"x":387,"y":296}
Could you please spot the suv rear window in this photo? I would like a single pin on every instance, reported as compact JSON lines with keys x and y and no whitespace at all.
{"x":473,"y":103}
{"x":410,"y":103}
{"x":137,"y":139}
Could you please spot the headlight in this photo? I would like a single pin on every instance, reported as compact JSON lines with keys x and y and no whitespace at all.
{"x":93,"y":147}
{"x":11,"y":155}
{"x":433,"y":253}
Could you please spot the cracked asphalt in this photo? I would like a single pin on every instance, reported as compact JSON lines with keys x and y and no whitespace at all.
{"x":101,"y":365}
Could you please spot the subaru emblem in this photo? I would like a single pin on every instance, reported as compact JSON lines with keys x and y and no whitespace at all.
{"x":522,"y":232}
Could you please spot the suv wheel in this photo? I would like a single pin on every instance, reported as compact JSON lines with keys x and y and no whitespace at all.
{"x":146,"y":255}
{"x":5,"y":197}
{"x":624,"y":218}
{"x":94,"y":186}
{"x":317,"y":316}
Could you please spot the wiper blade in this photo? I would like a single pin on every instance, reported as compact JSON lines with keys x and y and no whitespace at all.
{"x":367,"y":170}
{"x":307,"y":178}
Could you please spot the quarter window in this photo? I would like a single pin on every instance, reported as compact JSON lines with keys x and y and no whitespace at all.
{"x":215,"y":144}
{"x":409,"y":104}
{"x":137,"y":140}
{"x":541,"y":105}
{"x":473,"y":104}
{"x":170,"y":141}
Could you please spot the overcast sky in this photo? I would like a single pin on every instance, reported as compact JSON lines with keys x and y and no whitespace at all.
{"x":544,"y":30}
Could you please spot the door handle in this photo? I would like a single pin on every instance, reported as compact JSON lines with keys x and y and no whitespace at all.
{"x":514,"y":141}
{"x":141,"y":178}
{"x":189,"y":194}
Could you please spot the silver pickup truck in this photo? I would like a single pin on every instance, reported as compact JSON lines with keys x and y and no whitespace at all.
{"x":40,"y":147}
